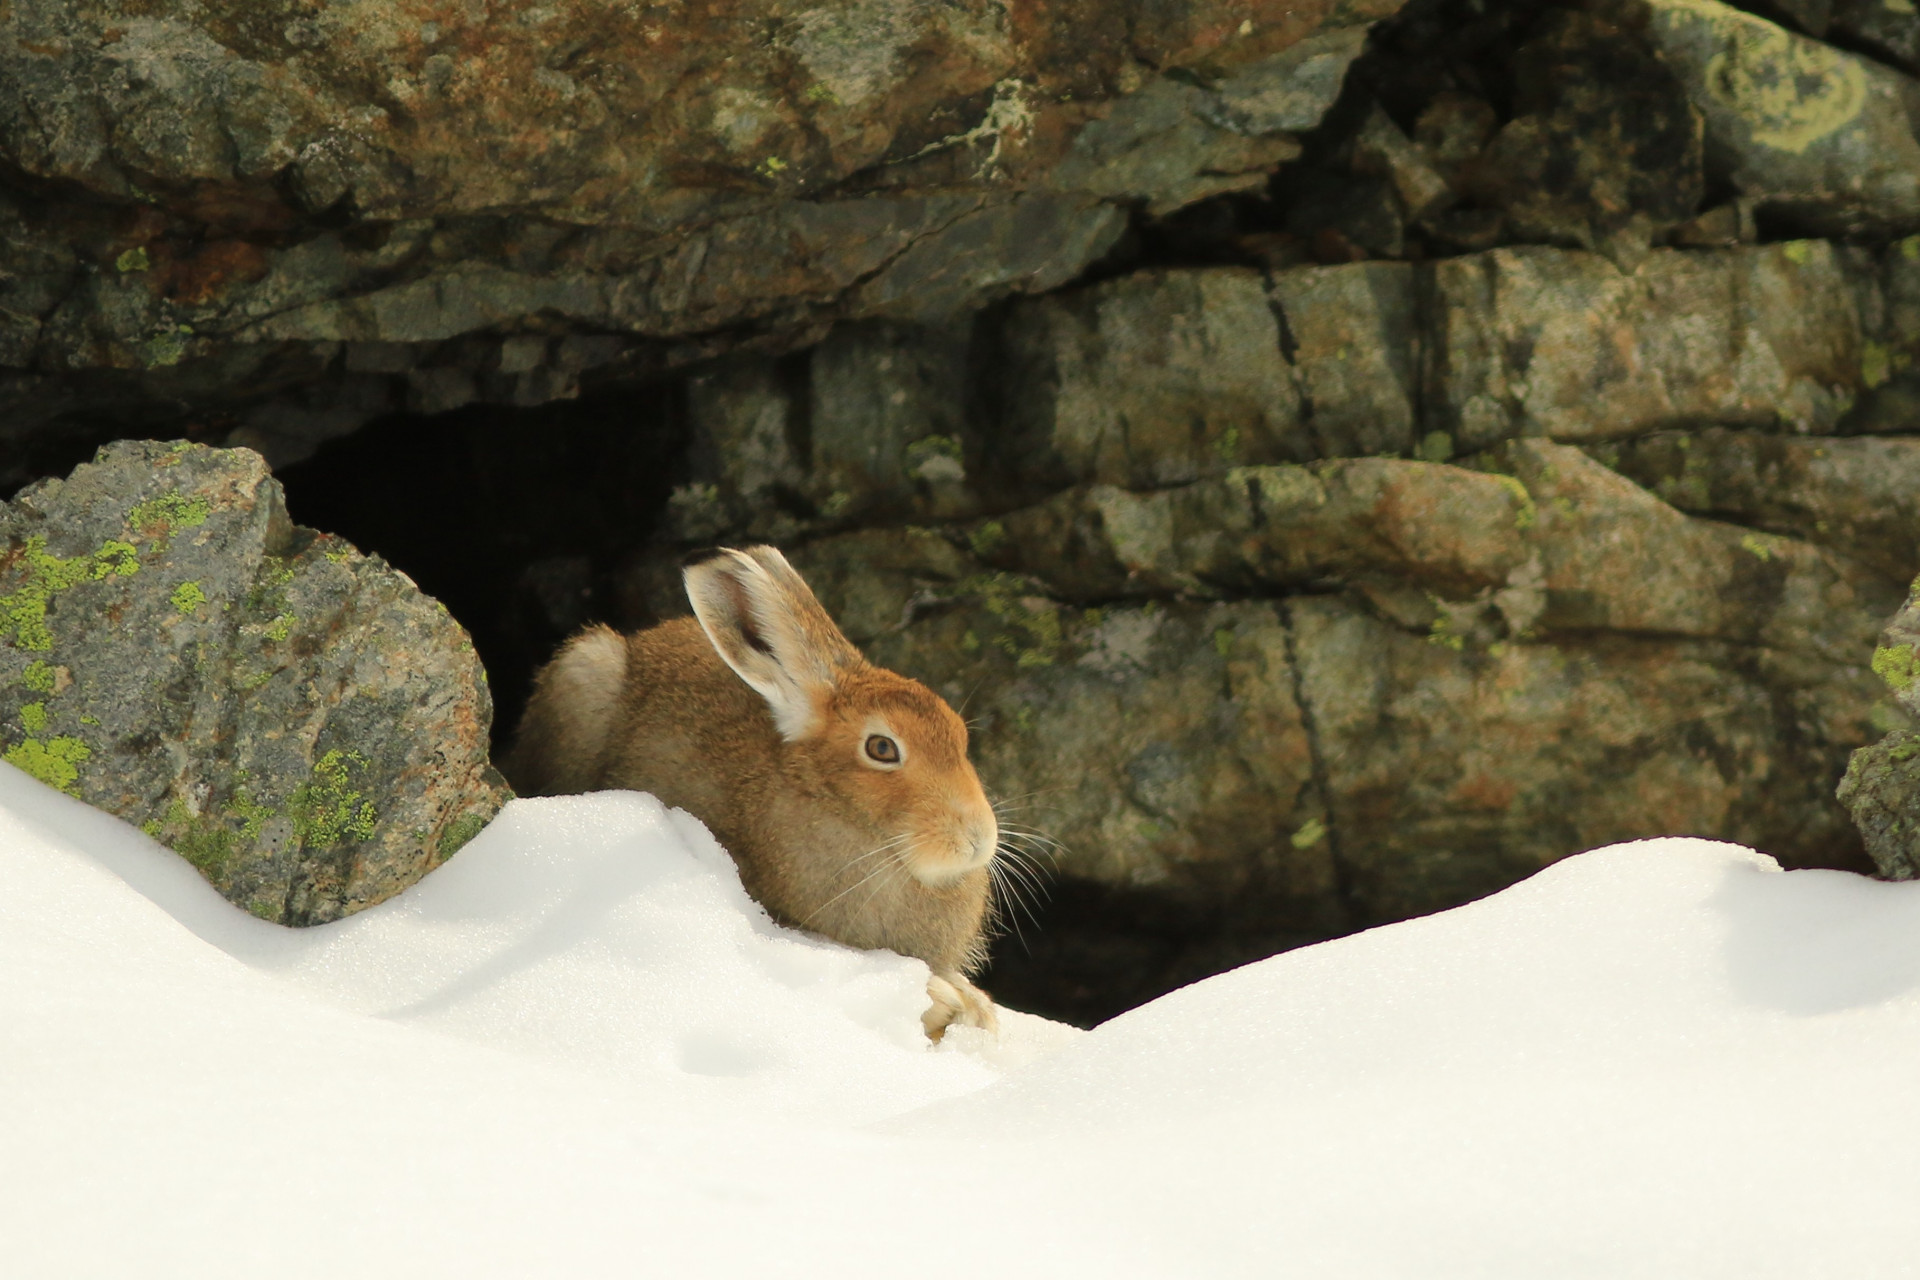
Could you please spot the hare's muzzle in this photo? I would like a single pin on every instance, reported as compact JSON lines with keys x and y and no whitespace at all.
{"x":964,"y":842}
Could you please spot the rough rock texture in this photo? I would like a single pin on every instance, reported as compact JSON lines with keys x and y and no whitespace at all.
{"x":1855,"y":494}
{"x":1540,"y":342}
{"x":1882,"y":785}
{"x":425,"y":205}
{"x":1222,"y":658}
{"x":294,"y":718}
{"x":1820,"y":136}
{"x":1506,"y":653}
{"x":1604,"y":150}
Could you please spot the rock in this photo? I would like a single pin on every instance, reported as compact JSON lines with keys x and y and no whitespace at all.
{"x":1535,"y":341}
{"x":1881,"y":790}
{"x":1544,"y":540}
{"x":1889,"y":397}
{"x":1153,"y":379}
{"x":1262,"y":528}
{"x":294,"y":718}
{"x":1604,"y":144}
{"x":1352,"y":335}
{"x":1820,"y":138}
{"x":1453,"y":129}
{"x":1859,"y":496}
{"x":1887,"y":28}
{"x":1335,"y":765}
{"x":524,"y":198}
{"x":1382,"y":150}
{"x":1882,"y":785}
{"x":1613,"y":557}
{"x":1174,"y":142}
{"x":1455,"y":771}
{"x":888,"y":427}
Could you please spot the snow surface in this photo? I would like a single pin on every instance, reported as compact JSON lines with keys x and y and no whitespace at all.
{"x":580,"y":1050}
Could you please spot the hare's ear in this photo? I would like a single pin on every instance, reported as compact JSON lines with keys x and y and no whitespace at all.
{"x":766,"y":625}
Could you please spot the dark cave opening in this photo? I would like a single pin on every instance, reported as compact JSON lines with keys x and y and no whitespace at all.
{"x":514,"y":518}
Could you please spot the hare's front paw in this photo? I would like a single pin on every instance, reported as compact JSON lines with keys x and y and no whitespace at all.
{"x":957,"y":1002}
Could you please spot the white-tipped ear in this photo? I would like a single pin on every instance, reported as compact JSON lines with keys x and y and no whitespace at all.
{"x":765,"y":624}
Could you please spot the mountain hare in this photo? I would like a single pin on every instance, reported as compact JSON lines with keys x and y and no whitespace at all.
{"x":842,"y":790}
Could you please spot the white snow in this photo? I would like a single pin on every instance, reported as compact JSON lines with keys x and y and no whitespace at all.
{"x":580,"y":1050}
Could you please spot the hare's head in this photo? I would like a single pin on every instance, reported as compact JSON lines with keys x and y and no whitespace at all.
{"x":888,"y":751}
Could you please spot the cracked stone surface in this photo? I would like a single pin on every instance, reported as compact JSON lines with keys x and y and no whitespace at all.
{"x":429,"y":204}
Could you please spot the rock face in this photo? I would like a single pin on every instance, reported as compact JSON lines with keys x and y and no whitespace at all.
{"x":426,"y":206}
{"x":1819,"y":135}
{"x":294,"y":718}
{"x":1343,"y":456}
{"x":1514,"y":650}
{"x":1227,"y":643}
{"x":1882,"y":786}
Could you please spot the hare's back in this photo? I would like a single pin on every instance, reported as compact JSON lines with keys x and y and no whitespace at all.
{"x":690,"y":728}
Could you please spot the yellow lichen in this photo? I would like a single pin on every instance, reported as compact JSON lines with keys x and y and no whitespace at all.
{"x":1895,"y":664}
{"x":1788,"y":91}
{"x":55,"y":762}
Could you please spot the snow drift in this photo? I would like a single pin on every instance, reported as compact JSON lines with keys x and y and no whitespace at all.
{"x":579,"y":1049}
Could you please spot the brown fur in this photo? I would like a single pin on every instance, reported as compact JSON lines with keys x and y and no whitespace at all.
{"x":870,"y":856}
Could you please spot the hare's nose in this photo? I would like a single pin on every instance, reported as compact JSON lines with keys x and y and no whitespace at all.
{"x":985,"y":839}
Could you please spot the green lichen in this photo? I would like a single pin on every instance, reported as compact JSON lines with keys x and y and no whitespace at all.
{"x":23,"y":611}
{"x":1529,"y":513}
{"x":339,"y":555}
{"x":1876,"y":364}
{"x":1903,"y":752}
{"x":280,"y":628}
{"x":458,"y":833}
{"x":1223,"y":641}
{"x":39,"y":676}
{"x":1442,"y":633}
{"x":132,"y":260}
{"x":1910,"y":248}
{"x":55,"y":762}
{"x":987,"y":538}
{"x":207,"y":845}
{"x":33,"y":717}
{"x":204,"y":841}
{"x":1032,"y":633}
{"x":1800,"y":253}
{"x":1435,"y":446}
{"x":1228,"y":445}
{"x":92,"y":720}
{"x":1753,"y":546}
{"x":1311,"y":833}
{"x":252,"y":816}
{"x":1895,"y":664}
{"x":166,"y":347}
{"x":188,"y":596}
{"x":161,"y":517}
{"x":327,"y":809}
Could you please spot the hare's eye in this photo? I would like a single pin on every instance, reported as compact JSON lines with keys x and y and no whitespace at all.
{"x":882,"y":750}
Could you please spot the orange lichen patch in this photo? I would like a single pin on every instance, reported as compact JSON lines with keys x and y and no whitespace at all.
{"x":212,"y":269}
